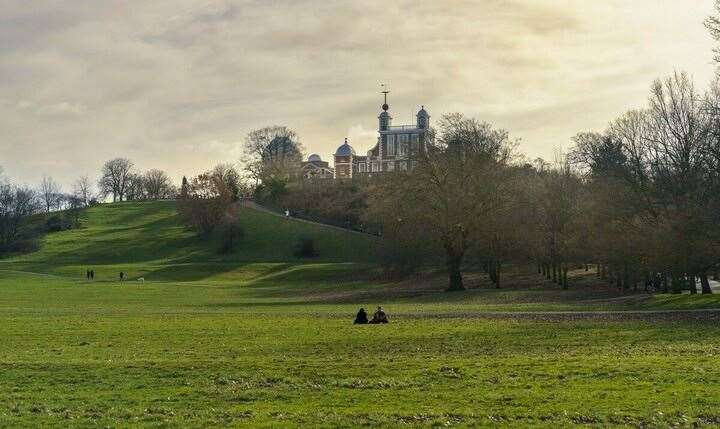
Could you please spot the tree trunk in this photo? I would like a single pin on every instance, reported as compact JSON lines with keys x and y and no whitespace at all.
{"x":498,"y":265}
{"x":547,"y":271}
{"x":587,"y":268}
{"x":675,"y":285}
{"x":664,"y":282}
{"x":705,"y":283}
{"x":564,"y":277}
{"x":539,"y":268}
{"x":454,"y":273}
{"x":692,"y":284}
{"x":554,"y":272}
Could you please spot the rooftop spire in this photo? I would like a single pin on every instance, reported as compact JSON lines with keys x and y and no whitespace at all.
{"x":384,"y":92}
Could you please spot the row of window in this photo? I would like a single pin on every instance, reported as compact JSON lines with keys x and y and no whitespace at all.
{"x":374,"y":166}
{"x":315,"y":173}
{"x":397,"y":144}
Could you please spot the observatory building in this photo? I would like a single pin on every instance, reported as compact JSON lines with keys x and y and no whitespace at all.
{"x":397,"y":148}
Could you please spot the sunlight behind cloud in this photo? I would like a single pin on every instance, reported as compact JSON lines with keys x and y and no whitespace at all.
{"x":137,"y":79}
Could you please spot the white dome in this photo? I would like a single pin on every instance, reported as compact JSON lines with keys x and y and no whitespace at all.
{"x":314,"y":158}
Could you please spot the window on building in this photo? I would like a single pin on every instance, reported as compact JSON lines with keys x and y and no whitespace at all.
{"x":403,"y":144}
{"x":402,"y":166}
{"x":415,"y":143}
{"x":390,"y":166}
{"x":362,"y":167}
{"x":391,"y":147}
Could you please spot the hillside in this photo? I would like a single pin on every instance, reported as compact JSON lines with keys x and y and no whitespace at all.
{"x":148,"y":237}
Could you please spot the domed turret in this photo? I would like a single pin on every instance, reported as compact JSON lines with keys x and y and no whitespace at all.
{"x":345,"y":150}
{"x":385,"y":120}
{"x":314,"y":158}
{"x":423,"y":118}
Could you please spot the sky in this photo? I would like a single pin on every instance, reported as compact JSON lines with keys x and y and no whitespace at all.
{"x":177,"y":84}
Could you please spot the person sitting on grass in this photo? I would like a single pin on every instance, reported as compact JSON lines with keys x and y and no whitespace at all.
{"x":361,"y":318}
{"x":379,"y":316}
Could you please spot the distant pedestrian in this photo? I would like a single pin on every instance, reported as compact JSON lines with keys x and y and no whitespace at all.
{"x":122,"y":276}
{"x":92,"y":274}
{"x":287,"y":213}
{"x":87,"y":275}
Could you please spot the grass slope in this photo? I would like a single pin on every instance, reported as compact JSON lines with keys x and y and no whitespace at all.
{"x":262,"y":339}
{"x":147,"y":239}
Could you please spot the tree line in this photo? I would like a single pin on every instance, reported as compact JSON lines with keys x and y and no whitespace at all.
{"x":27,"y":212}
{"x":640,"y":201}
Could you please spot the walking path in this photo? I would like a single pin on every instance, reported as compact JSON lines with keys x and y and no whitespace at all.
{"x":255,"y":206}
{"x":712,"y":314}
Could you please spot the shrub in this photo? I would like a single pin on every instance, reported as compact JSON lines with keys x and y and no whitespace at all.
{"x":305,"y":248}
{"x":57,"y":223}
{"x":230,"y":232}
{"x":206,"y":204}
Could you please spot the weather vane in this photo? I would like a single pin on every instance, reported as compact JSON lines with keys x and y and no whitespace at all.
{"x":384,"y":92}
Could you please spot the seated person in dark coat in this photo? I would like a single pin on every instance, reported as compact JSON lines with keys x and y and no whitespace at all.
{"x":379,"y":316}
{"x":361,"y":317}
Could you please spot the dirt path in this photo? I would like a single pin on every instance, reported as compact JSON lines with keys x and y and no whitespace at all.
{"x":557,"y":316}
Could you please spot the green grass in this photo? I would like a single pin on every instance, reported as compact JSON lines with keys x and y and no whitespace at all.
{"x":260,"y":338}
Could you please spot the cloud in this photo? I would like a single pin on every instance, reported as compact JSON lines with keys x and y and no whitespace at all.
{"x":63,"y":109}
{"x":361,"y":138}
{"x":176,"y":84}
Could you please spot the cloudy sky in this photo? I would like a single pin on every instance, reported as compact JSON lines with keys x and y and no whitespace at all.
{"x":176,"y":84}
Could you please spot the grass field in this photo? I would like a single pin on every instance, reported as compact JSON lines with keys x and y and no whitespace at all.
{"x":260,"y":338}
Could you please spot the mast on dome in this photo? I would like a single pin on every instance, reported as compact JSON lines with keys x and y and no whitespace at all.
{"x":384,"y":92}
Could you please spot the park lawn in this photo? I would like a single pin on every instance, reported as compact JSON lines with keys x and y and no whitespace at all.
{"x":194,"y":354}
{"x":263,"y":338}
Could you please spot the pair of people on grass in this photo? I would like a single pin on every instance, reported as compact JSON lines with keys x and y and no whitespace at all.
{"x":379,"y":317}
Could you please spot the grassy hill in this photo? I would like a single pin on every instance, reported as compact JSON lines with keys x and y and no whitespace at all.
{"x":260,"y":338}
{"x":148,"y":239}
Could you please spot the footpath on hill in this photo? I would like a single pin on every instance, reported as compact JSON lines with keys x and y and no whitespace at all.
{"x":255,"y":206}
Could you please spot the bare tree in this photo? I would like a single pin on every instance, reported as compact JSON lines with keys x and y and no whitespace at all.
{"x":272,"y":152}
{"x":83,"y":191}
{"x":135,"y":189}
{"x":712,"y":23}
{"x":229,"y":175}
{"x":50,"y":194}
{"x":206,"y":203}
{"x":158,"y":185}
{"x":16,"y":205}
{"x":114,"y":178}
{"x":459,"y":185}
